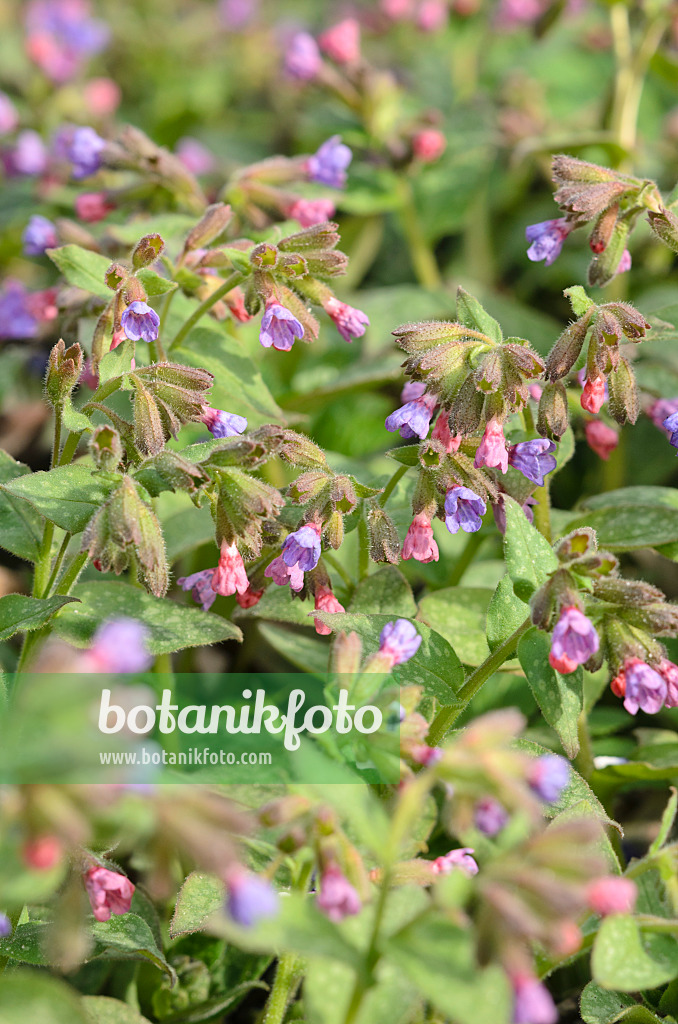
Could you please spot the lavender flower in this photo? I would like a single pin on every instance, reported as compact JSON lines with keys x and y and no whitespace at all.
{"x":29,"y":155}
{"x":460,"y":859}
{"x":279,"y":328}
{"x":302,"y":57}
{"x":337,"y":897}
{"x":350,"y":322}
{"x":237,"y":14}
{"x":140,"y":322}
{"x":224,"y":424}
{"x":419,"y":541}
{"x":9,"y":118}
{"x":645,"y":689}
{"x":5,"y":926}
{"x":39,"y":234}
{"x":489,"y":816}
{"x":533,"y":459}
{"x":661,"y":410}
{"x":463,"y":510}
{"x":533,"y":1003}
{"x":670,"y":425}
{"x":195,"y":157}
{"x":61,"y":34}
{"x":328,"y":165}
{"x":548,"y":776}
{"x":547,"y":239}
{"x":200,"y":585}
{"x":399,"y":641}
{"x":120,"y":646}
{"x":412,"y":419}
{"x":250,"y":898}
{"x":17,"y":318}
{"x":282,"y":574}
{"x":84,"y":152}
{"x":574,"y":641}
{"x":302,"y":548}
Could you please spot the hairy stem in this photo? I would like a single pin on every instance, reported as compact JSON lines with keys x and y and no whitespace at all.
{"x":423,"y":260}
{"x":363,"y":548}
{"x":204,"y":307}
{"x":392,"y":484}
{"x":287,"y":978}
{"x":364,"y":981}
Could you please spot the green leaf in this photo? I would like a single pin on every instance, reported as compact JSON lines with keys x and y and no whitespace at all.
{"x":529,"y":557}
{"x":104,"y":1010}
{"x":74,"y":420}
{"x":560,"y":698}
{"x":666,"y":826}
{"x":327,"y":991}
{"x":625,"y":527}
{"x":154,"y":283}
{"x":626,"y":960}
{"x":200,"y":897}
{"x":172,"y":627}
{"x":406,"y":455}
{"x":83,"y":268}
{"x":598,"y":1006}
{"x":127,"y":936}
{"x":18,"y":614}
{"x":32,"y":996}
{"x":68,"y":495}
{"x":385,"y":591}
{"x":20,"y":526}
{"x":579,"y":300}
{"x":25,"y":945}
{"x":435,"y":666}
{"x":505,"y":613}
{"x":470,"y":313}
{"x":459,"y":615}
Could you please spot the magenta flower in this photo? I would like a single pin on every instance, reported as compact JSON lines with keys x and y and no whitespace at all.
{"x":350,"y":322}
{"x":533,"y":1003}
{"x":341,"y":42}
{"x":119,"y":645}
{"x":195,"y":157}
{"x":419,"y":541}
{"x":140,"y":322}
{"x":646,"y":689}
{"x":547,"y":239}
{"x":489,"y":816}
{"x":612,"y":895}
{"x":229,"y":575}
{"x":251,"y":898}
{"x":312,"y":211}
{"x":279,"y":328}
{"x":463,"y":510}
{"x":282,"y":574}
{"x":302,"y":548}
{"x":29,"y":155}
{"x":302,"y":57}
{"x":412,"y":419}
{"x":337,"y":897}
{"x":39,"y":234}
{"x":109,"y":892}
{"x":574,"y":641}
{"x":328,"y":165}
{"x":492,"y":451}
{"x":533,"y":459}
{"x":600,"y":438}
{"x":223,"y":424}
{"x":399,"y":641}
{"x":548,"y":776}
{"x":460,"y":859}
{"x":200,"y":585}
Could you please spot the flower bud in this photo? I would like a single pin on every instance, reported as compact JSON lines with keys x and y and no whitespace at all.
{"x":116,"y":275}
{"x":63,"y":371}
{"x":146,"y":251}
{"x":613,"y":895}
{"x":299,"y":450}
{"x":623,"y":401}
{"x":565,"y":352}
{"x":213,"y":223}
{"x":383,"y":536}
{"x":106,"y":448}
{"x":603,"y":228}
{"x":553,"y":416}
{"x":605,"y":265}
{"x":665,"y":226}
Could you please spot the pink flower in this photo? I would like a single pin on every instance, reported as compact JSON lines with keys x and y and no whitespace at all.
{"x":460,"y":858}
{"x":492,"y":450}
{"x":109,"y":892}
{"x":351,"y":323}
{"x":533,"y":1003}
{"x":397,"y":10}
{"x":42,"y":853}
{"x":195,"y":157}
{"x":229,"y":575}
{"x":92,"y":207}
{"x":600,"y":438}
{"x":419,"y":543}
{"x":428,"y":145}
{"x":669,"y":672}
{"x":337,"y":897}
{"x":441,"y":432}
{"x":102,"y":96}
{"x":432,"y":15}
{"x":625,"y":262}
{"x":312,"y":211}
{"x":282,"y":574}
{"x":250,"y":598}
{"x":341,"y":42}
{"x":612,"y":895}
{"x":325,"y":601}
{"x":593,"y":395}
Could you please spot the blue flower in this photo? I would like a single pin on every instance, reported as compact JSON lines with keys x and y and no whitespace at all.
{"x":670,"y":425}
{"x":412,"y":419}
{"x":140,"y":322}
{"x":548,"y":777}
{"x":399,"y":640}
{"x":533,"y":459}
{"x":250,"y":898}
{"x":39,"y":234}
{"x":328,"y":165}
{"x":279,"y":328}
{"x":17,"y":319}
{"x":224,"y":424}
{"x":84,"y":152}
{"x":547,"y":239}
{"x":463,"y":510}
{"x":302,"y":548}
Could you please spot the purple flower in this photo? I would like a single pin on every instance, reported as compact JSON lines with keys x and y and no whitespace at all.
{"x":337,"y":897}
{"x":350,"y":322}
{"x":17,"y":319}
{"x":224,"y":424}
{"x":194,"y":156}
{"x":39,"y":234}
{"x":9,"y":118}
{"x":548,"y":776}
{"x":489,"y":816}
{"x":302,"y":548}
{"x":84,"y":152}
{"x":279,"y":328}
{"x":302,"y":57}
{"x":237,"y":14}
{"x":547,"y":239}
{"x":533,"y":459}
{"x":251,"y":898}
{"x":574,"y":641}
{"x":5,"y":926}
{"x":463,"y":510}
{"x":399,"y":641}
{"x":414,"y":418}
{"x":328,"y":165}
{"x":282,"y":574}
{"x":412,"y":389}
{"x":200,"y":585}
{"x":120,"y":646}
{"x":61,"y":34}
{"x":670,"y":425}
{"x":625,"y":262}
{"x":645,"y":688}
{"x":460,"y":859}
{"x":140,"y":322}
{"x":533,"y":1003}
{"x":661,"y":410}
{"x":29,"y":155}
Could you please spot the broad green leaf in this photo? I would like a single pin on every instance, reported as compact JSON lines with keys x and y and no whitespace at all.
{"x":200,"y":897}
{"x":104,"y":1010}
{"x":386,"y":591}
{"x":327,"y":990}
{"x":20,"y":525}
{"x":529,"y":557}
{"x":154,"y":283}
{"x":435,"y":666}
{"x":35,"y":997}
{"x":116,"y":363}
{"x":278,"y":605}
{"x":470,"y":313}
{"x":625,"y":527}
{"x":83,"y":268}
{"x":406,"y":455}
{"x":128,"y":936}
{"x":25,"y":945}
{"x":560,"y":698}
{"x":459,"y":614}
{"x":171,"y":626}
{"x":627,"y":960}
{"x":599,"y":1006}
{"x":505,"y":613}
{"x":305,"y":651}
{"x":18,"y":614}
{"x":637,"y":495}
{"x":68,"y":495}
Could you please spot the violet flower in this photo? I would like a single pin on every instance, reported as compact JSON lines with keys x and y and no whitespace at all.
{"x":328,"y":165}
{"x":200,"y":585}
{"x":574,"y":641}
{"x":140,"y":322}
{"x":119,"y":645}
{"x":533,"y":1003}
{"x":279,"y":328}
{"x":548,"y":776}
{"x":39,"y":235}
{"x":463,"y":510}
{"x":84,"y":152}
{"x":670,"y":425}
{"x":302,"y":57}
{"x":547,"y":239}
{"x":646,"y":689}
{"x":399,"y":641}
{"x":17,"y":316}
{"x":302,"y":548}
{"x":350,"y":322}
{"x":251,"y":898}
{"x":533,"y":459}
{"x":29,"y":155}
{"x":489,"y":816}
{"x":412,"y":419}
{"x":223,"y":424}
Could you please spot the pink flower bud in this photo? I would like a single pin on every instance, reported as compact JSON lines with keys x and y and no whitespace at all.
{"x":593,"y":395}
{"x":250,"y":598}
{"x":441,"y":432}
{"x":613,"y":895}
{"x":109,"y":892}
{"x":312,"y":211}
{"x":42,"y":853}
{"x":102,"y":96}
{"x":341,"y":42}
{"x":229,"y":575}
{"x":492,"y":450}
{"x":325,"y":601}
{"x":92,"y":207}
{"x":337,"y":897}
{"x":601,"y":439}
{"x":419,"y":543}
{"x":428,"y":145}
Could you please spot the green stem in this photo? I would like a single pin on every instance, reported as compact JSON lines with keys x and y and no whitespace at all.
{"x":364,"y":981}
{"x":423,"y":259}
{"x":57,"y":562}
{"x":338,"y":567}
{"x":70,"y":448}
{"x":363,"y":548}
{"x":584,"y":759}
{"x":72,"y":572}
{"x":542,"y":511}
{"x":56,"y":443}
{"x":447,"y":716}
{"x":473,"y":542}
{"x":287,"y":978}
{"x":204,"y":307}
{"x":392,"y":484}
